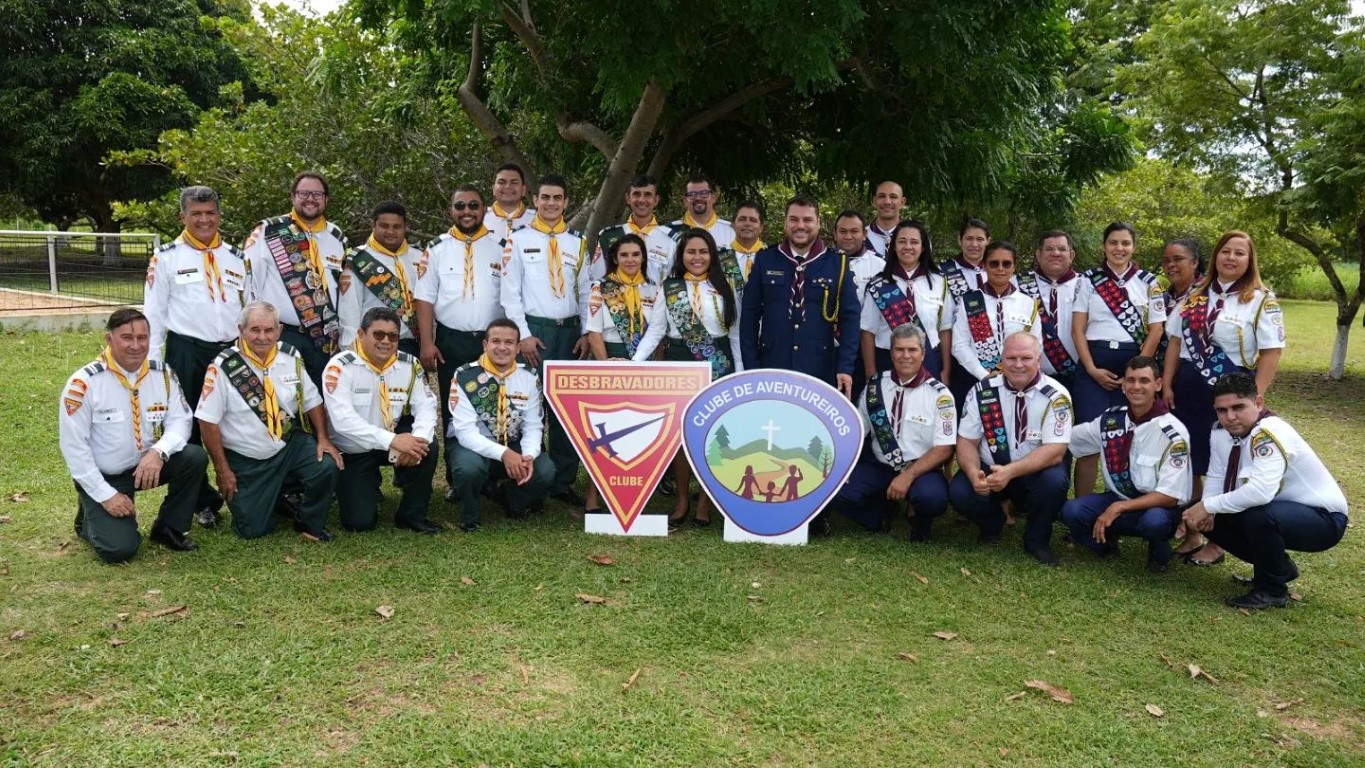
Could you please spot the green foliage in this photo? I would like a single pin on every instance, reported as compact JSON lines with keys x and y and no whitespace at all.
{"x":1164,"y":202}
{"x":83,"y":78}
{"x":338,"y":99}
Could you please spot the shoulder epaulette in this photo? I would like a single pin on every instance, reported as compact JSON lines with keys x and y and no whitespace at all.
{"x":170,"y":245}
{"x":992,"y":381}
{"x":518,"y":228}
{"x":288,"y":349}
{"x":407,"y":357}
{"x":573,"y":232}
{"x":1048,"y":391}
{"x":347,"y":357}
{"x":234,"y":250}
{"x":275,"y":219}
{"x":471,"y":364}
{"x":336,"y":232}
{"x":938,"y":386}
{"x":1171,"y":433}
{"x":437,"y":240}
{"x":156,"y":365}
{"x":94,"y":369}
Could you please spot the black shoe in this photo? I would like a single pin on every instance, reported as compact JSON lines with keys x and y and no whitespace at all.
{"x":668,"y":486}
{"x":424,"y":527}
{"x":289,"y":504}
{"x":321,"y":534}
{"x":175,"y":540}
{"x":1045,"y":555}
{"x":470,"y":527}
{"x":569,"y":496}
{"x":207,"y":517}
{"x":1257,"y":599}
{"x":517,"y":514}
{"x":819,"y":526}
{"x":1158,"y":557}
{"x":701,"y":523}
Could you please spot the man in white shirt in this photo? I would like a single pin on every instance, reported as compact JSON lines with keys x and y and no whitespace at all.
{"x":660,"y":239}
{"x":911,"y":425}
{"x":699,"y":210}
{"x":196,"y":287}
{"x":1053,"y":282}
{"x":495,"y":430}
{"x":508,"y":211}
{"x":251,"y":413}
{"x":122,"y":428}
{"x":888,"y":201}
{"x":1146,"y":459}
{"x":1010,"y":443}
{"x":383,"y":272}
{"x":1266,"y":492}
{"x":380,"y":410}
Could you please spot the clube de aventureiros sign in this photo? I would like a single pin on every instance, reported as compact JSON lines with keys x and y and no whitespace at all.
{"x":771,"y":448}
{"x":624,"y":420}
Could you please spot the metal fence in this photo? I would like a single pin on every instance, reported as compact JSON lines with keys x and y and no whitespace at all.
{"x":72,"y":270}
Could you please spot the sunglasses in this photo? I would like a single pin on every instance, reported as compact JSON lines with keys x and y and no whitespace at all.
{"x":384,"y":335}
{"x":999,"y":264}
{"x":472,"y":205}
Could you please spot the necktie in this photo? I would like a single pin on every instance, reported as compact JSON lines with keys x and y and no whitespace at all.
{"x":1234,"y":464}
{"x":1020,"y":417}
{"x":694,"y":292}
{"x":502,"y":428}
{"x":108,"y":357}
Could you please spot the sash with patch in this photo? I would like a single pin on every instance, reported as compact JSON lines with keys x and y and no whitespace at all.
{"x":616,"y":309}
{"x":1116,"y":299}
{"x":882,"y":428}
{"x":383,"y":283}
{"x":252,"y":389}
{"x":957,"y":279}
{"x":993,"y":424}
{"x":729,"y":265}
{"x":1197,"y":339}
{"x":897,"y":306}
{"x":482,"y":388}
{"x":288,"y":246}
{"x":1052,"y":343}
{"x":985,"y":341}
{"x":694,"y":334}
{"x":1117,"y":436}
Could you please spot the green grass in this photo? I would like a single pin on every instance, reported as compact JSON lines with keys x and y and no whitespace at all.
{"x":747,"y":654}
{"x":1311,"y":284}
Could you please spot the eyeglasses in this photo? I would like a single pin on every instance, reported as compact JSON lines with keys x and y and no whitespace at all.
{"x":302,"y":195}
{"x":1000,"y":264}
{"x":384,"y":335}
{"x":461,"y":205}
{"x":698,"y":195}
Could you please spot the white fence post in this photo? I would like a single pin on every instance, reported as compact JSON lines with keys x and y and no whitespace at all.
{"x":52,"y":263}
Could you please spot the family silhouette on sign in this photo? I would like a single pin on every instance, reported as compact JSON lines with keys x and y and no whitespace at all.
{"x":749,"y":485}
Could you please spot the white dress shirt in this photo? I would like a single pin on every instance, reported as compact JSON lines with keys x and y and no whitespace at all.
{"x":1158,"y":458}
{"x":1242,"y":328}
{"x":1049,"y":410}
{"x":182,"y":294}
{"x":526,"y":287}
{"x":355,"y":418}
{"x":1276,"y":463}
{"x":463,"y":282}
{"x":355,"y":298}
{"x":266,"y":284}
{"x":1101,"y":324}
{"x":243,"y":431}
{"x":475,"y":430}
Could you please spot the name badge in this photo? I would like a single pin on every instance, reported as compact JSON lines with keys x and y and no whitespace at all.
{"x":289,"y":379}
{"x":1033,"y":436}
{"x":916,"y":418}
{"x":108,"y":415}
{"x":192,"y":275}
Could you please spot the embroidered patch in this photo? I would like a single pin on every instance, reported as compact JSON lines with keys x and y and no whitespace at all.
{"x":1263,"y":444}
{"x":330,"y":377}
{"x":151,"y":271}
{"x":210,"y":377}
{"x":344,"y":283}
{"x":471,"y":387}
{"x":945,"y":403}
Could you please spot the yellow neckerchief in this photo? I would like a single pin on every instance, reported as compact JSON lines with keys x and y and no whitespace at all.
{"x":646,"y":229}
{"x":691,"y":222}
{"x":398,"y":270}
{"x":108,"y":357}
{"x":385,"y":408}
{"x":212,"y":275}
{"x":500,"y":213}
{"x":556,"y":266}
{"x":694,"y":283}
{"x":501,"y":432}
{"x":274,"y":417}
{"x":634,"y":307}
{"x":314,"y":252}
{"x":738,"y":248}
{"x":468,"y":241}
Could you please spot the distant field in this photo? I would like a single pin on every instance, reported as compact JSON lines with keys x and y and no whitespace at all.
{"x":1312,"y":284}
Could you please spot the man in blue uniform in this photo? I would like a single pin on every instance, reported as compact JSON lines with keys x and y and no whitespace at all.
{"x":800,"y":309}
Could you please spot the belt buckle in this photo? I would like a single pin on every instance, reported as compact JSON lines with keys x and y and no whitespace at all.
{"x":1113,"y":345}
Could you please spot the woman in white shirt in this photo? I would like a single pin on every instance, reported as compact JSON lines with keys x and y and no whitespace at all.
{"x":910,"y":289}
{"x":983,"y":318}
{"x":620,"y":304}
{"x":696,"y":311}
{"x":1229,"y":322}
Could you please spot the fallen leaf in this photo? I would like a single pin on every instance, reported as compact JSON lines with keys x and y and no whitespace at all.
{"x":755,"y":598}
{"x":756,"y":585}
{"x":907,"y":657}
{"x":1282,"y":706}
{"x":591,"y":599}
{"x":1016,"y":696}
{"x":630,"y":681}
{"x":625,"y":579}
{"x":468,"y":582}
{"x":122,"y":617}
{"x":1295,"y":596}
{"x":4,"y":519}
{"x":1051,"y":652}
{"x":1197,"y":671}
{"x":1003,"y":751}
{"x":965,"y":572}
{"x":1155,"y":711}
{"x":19,"y":634}
{"x":922,"y":579}
{"x":945,"y":635}
{"x":1167,"y":659}
{"x":167,"y":611}
{"x":63,"y":545}
{"x":290,"y":560}
{"x":1057,"y":694}
{"x":19,"y":498}
{"x":384,"y":611}
{"x":539,"y":587}
{"x":1244,"y":611}
{"x":153,"y":592}
{"x":114,"y":641}
{"x":602,"y":559}
{"x":4,"y":568}
{"x":1262,"y":713}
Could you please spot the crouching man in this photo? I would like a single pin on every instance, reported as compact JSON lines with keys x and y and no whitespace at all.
{"x":122,"y":428}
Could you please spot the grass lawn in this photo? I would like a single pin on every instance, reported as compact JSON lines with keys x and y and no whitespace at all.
{"x":739,"y":654}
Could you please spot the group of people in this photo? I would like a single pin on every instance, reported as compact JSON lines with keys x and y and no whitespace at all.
{"x":298,"y":367}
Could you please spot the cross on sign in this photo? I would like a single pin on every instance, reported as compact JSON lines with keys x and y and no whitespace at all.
{"x":770,"y":428}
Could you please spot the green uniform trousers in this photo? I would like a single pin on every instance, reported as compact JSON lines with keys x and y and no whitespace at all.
{"x":358,"y":486}
{"x":259,"y":482}
{"x":559,"y":337}
{"x":467,"y":472}
{"x":116,"y":539}
{"x":456,"y":348}
{"x":189,"y":359}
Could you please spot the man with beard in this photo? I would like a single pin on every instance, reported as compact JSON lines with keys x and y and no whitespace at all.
{"x":699,"y":210}
{"x":508,"y":211}
{"x":382,"y":273}
{"x":660,"y":239}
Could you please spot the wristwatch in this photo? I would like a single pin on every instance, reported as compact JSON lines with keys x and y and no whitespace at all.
{"x":164,"y":456}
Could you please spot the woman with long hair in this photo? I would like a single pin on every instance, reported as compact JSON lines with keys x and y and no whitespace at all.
{"x":696,"y":312}
{"x":910,"y":289}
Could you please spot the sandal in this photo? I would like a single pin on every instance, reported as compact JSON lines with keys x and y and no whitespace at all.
{"x":1182,"y":551}
{"x":1198,"y":563}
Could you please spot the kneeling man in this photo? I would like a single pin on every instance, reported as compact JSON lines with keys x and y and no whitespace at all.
{"x":912,"y":422}
{"x":255,"y":393}
{"x":1147,"y":471}
{"x":380,"y":410}
{"x":1014,"y":433}
{"x":1266,"y":492}
{"x":496,"y":425}
{"x":122,"y":428}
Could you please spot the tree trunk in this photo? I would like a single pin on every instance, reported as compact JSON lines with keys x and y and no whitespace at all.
{"x":109,"y":249}
{"x":1338,"y":368}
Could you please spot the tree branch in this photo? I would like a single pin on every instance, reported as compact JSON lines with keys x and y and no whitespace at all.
{"x":626,"y":158}
{"x":579,"y":131}
{"x":525,"y":31}
{"x":483,"y":118}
